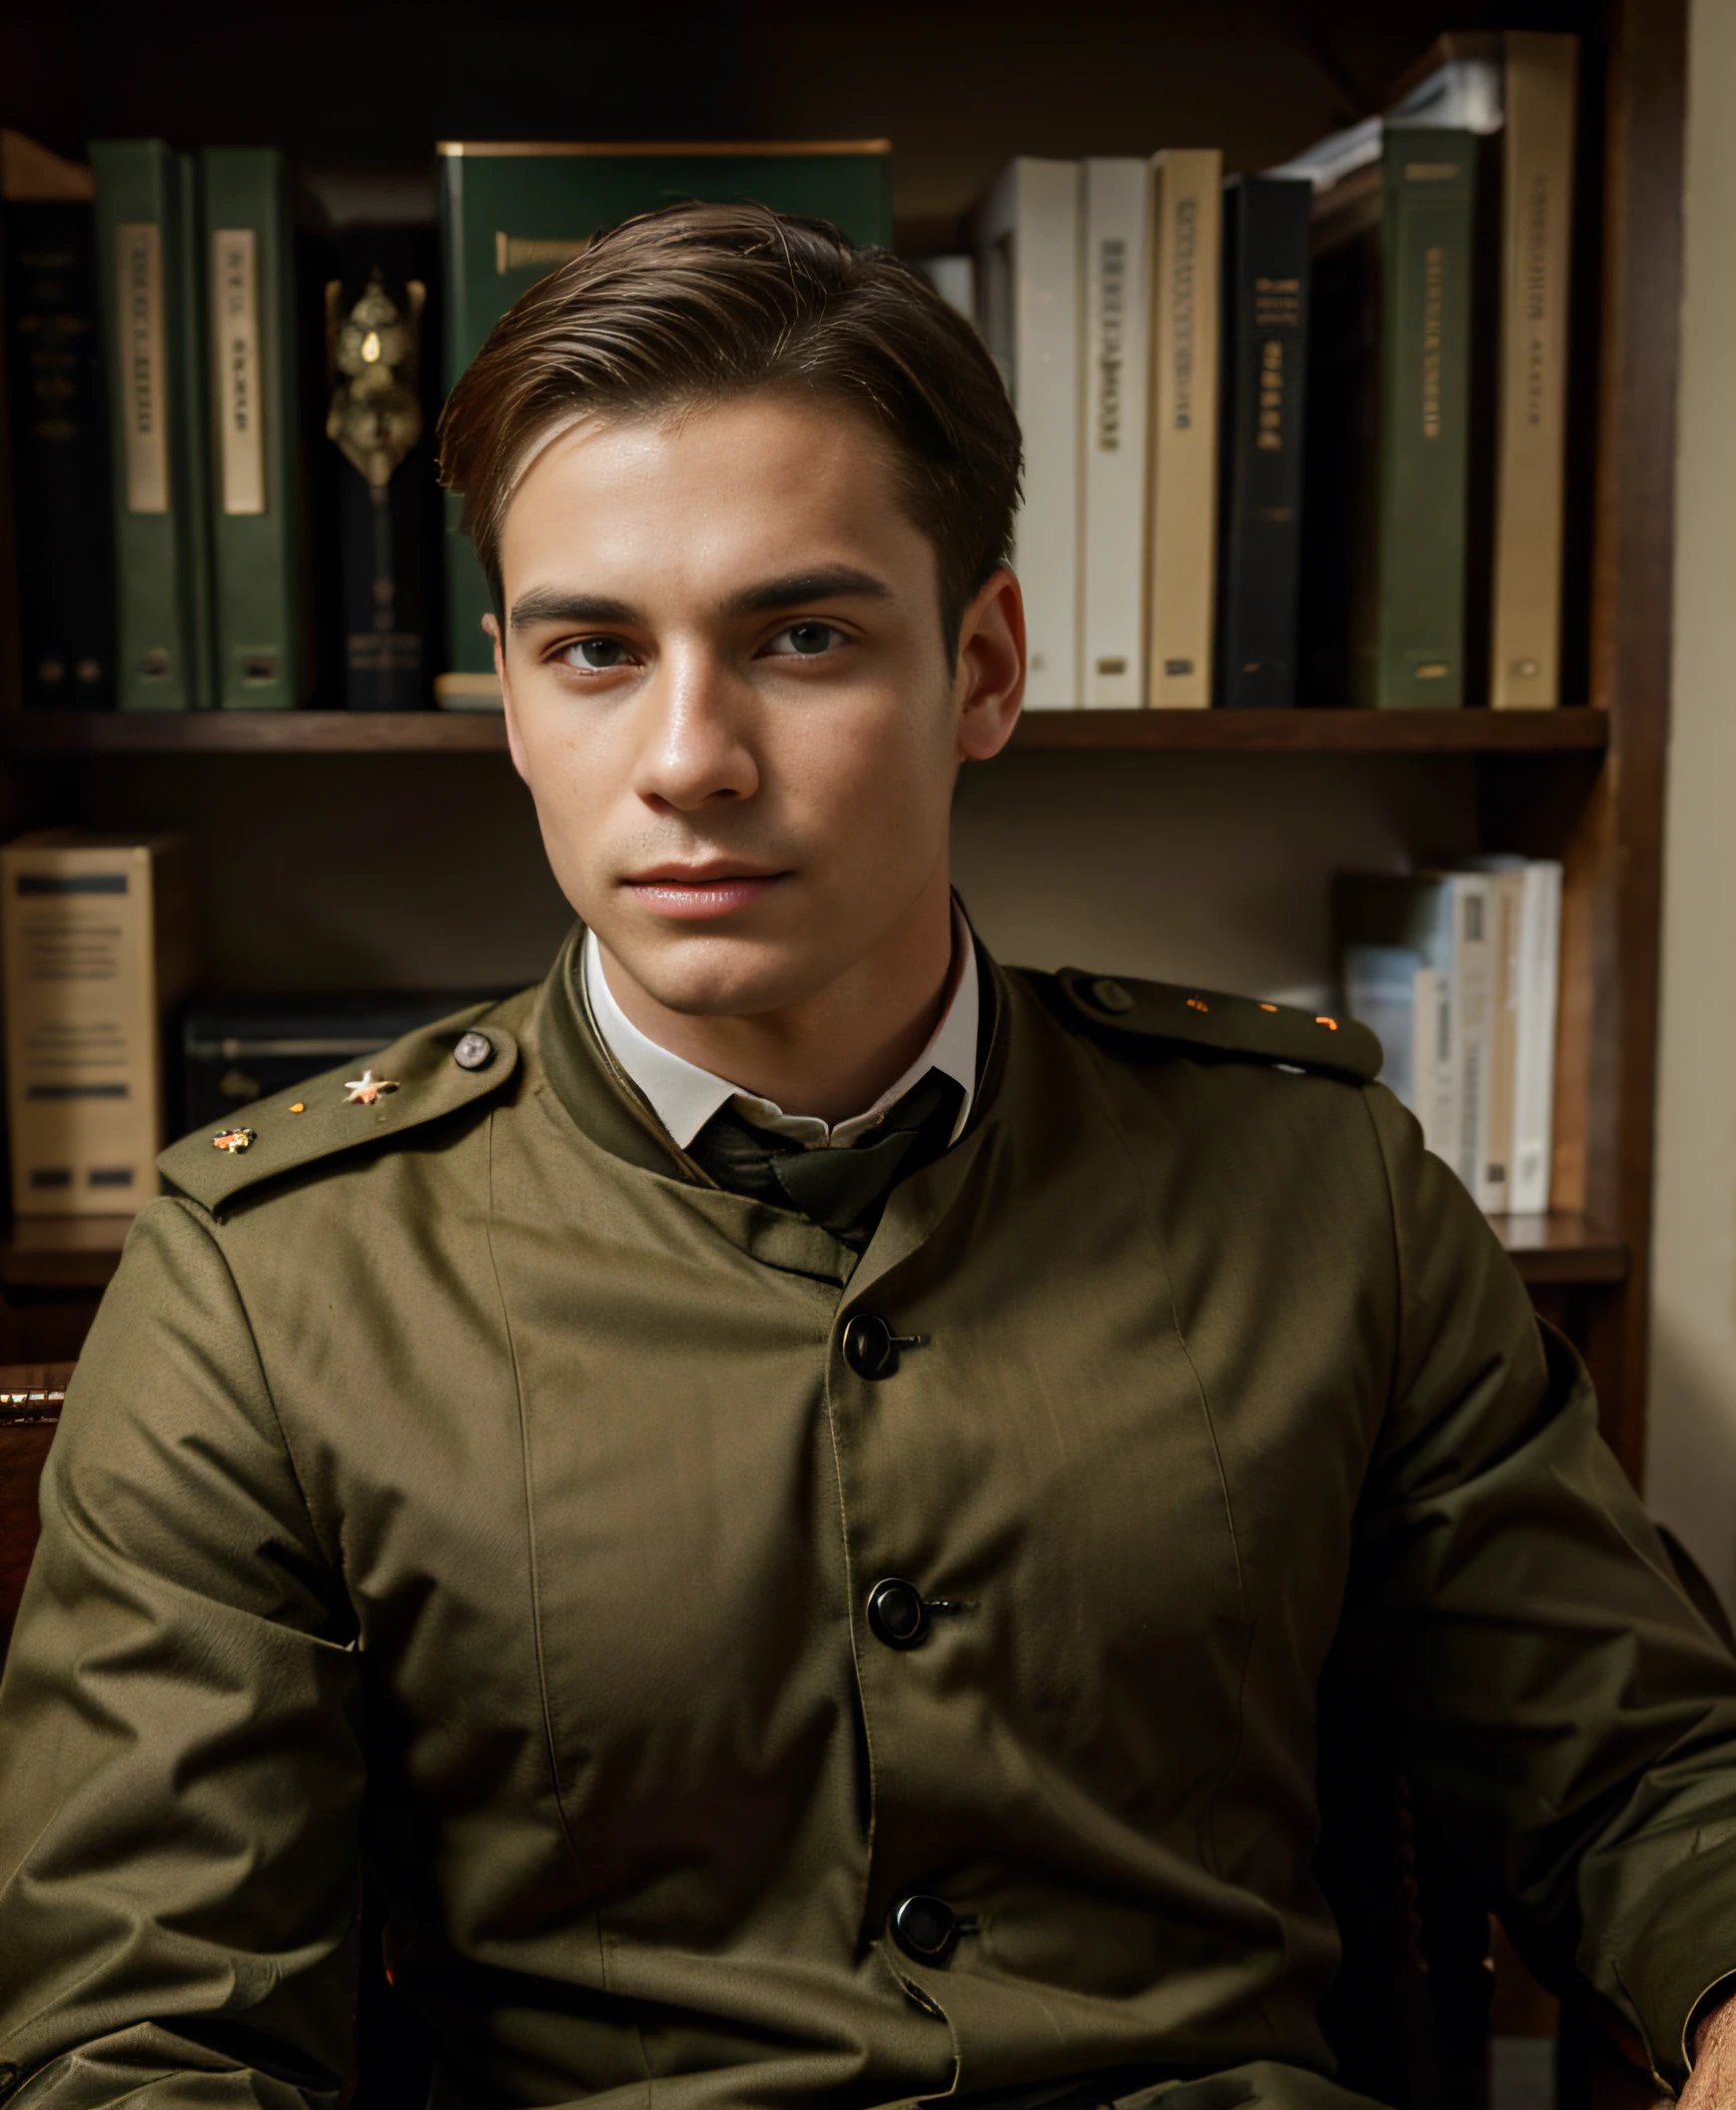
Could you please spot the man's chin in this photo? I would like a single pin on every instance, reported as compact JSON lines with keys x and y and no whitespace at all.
{"x":715,"y":974}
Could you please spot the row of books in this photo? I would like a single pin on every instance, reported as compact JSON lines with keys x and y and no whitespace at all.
{"x":178,"y":545}
{"x":189,"y":373}
{"x":1298,"y":436}
{"x":1457,"y":974}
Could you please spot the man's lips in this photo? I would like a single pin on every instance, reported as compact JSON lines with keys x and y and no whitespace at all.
{"x":689,"y":893}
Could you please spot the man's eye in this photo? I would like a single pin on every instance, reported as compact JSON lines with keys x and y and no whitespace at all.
{"x":597,"y":653}
{"x":806,"y":640}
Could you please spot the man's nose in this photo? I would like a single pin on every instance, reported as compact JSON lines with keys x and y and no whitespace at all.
{"x":695,"y":724}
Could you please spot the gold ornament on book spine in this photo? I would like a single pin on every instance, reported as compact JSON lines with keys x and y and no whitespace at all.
{"x":374,"y":356}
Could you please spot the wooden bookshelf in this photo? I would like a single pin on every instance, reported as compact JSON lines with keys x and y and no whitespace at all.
{"x":1569,"y":731}
{"x":1584,"y":783}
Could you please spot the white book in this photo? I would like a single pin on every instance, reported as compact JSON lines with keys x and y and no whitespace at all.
{"x":1029,"y":286}
{"x":1187,"y":217}
{"x":1113,"y":401}
{"x":955,"y":280}
{"x":1431,"y":1038}
{"x":1472,"y":1004}
{"x":1494,"y":1173}
{"x":1534,"y":1081}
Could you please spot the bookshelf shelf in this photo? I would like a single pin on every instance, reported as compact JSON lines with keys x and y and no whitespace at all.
{"x":81,"y":1253}
{"x":1576,"y":730}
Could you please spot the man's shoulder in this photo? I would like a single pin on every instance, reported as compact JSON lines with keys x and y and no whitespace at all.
{"x":1146,"y":1022}
{"x":419,"y":1082}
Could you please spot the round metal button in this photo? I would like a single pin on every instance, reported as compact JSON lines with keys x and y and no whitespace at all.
{"x":1109,"y":995}
{"x":925,"y":1928}
{"x":870,"y":1347}
{"x":475,"y":1051}
{"x":897,"y":1613}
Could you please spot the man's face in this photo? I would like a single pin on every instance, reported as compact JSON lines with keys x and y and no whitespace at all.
{"x":728,"y":691}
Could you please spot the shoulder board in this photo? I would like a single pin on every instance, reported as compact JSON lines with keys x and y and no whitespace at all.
{"x":430,"y":1072}
{"x":1140,"y":1018}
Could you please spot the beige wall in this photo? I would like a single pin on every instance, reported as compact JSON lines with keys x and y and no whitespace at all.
{"x":1692,"y":1452}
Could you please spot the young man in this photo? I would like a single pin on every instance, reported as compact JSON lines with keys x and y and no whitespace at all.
{"x":789,"y":1491}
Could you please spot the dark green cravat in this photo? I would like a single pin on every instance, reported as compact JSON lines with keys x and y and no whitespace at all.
{"x":841,"y":1188}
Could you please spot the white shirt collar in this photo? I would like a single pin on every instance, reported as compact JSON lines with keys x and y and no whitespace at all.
{"x":684,"y":1097}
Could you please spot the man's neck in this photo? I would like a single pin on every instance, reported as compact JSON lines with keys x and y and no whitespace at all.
{"x":834,"y":1053}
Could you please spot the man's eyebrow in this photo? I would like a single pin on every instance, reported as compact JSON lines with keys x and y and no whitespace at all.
{"x":833,"y":582}
{"x":555,"y":604}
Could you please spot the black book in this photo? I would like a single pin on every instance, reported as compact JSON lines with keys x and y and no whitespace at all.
{"x":63,"y":521}
{"x":1265,"y":303}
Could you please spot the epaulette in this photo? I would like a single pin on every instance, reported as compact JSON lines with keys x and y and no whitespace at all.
{"x":1137,"y":1018}
{"x":430,"y":1072}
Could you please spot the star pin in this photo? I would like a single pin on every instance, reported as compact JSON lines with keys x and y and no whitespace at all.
{"x":363,"y":1090}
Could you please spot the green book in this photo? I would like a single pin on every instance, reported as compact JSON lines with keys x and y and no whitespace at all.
{"x":1416,"y":655}
{"x":250,"y":356}
{"x":148,"y":301}
{"x":511,"y":214}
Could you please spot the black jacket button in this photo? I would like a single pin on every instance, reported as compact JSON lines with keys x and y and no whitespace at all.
{"x":869,"y":1348}
{"x":925,"y":1928}
{"x":897,"y":1613}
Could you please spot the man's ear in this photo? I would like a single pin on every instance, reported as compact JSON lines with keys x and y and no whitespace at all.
{"x":515,"y":744}
{"x":988,"y":680}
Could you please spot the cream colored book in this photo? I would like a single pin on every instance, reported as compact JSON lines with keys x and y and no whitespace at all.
{"x":1186,"y":189}
{"x":1030,"y":293}
{"x":1113,"y":404}
{"x":96,"y":939}
{"x":1531,"y":413}
{"x":1506,"y":903}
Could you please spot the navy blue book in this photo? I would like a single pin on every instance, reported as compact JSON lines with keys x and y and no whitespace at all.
{"x":1266,"y":302}
{"x":60,"y":454}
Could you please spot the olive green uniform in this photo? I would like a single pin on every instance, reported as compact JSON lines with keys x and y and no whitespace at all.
{"x":464,"y":1477}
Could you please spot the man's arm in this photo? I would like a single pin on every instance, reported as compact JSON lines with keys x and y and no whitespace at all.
{"x":182,"y":1772}
{"x":1565,"y":1713}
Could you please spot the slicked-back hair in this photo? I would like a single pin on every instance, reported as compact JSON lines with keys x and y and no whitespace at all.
{"x":699,"y":305}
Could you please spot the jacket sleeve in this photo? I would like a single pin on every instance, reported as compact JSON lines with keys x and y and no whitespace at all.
{"x":178,"y":1727}
{"x":1566,"y":1714}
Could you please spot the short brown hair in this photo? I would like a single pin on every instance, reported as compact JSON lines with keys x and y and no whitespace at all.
{"x":702,"y":303}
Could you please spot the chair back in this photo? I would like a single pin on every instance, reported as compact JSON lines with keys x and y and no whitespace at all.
{"x":30,"y":1397}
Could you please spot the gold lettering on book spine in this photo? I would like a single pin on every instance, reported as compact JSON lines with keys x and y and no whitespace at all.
{"x":144,"y":411}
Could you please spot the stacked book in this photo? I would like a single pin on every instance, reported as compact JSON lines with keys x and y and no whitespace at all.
{"x":1300,"y":436}
{"x":1456,"y":971}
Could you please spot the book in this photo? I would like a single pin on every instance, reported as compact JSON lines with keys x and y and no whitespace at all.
{"x":148,"y":303}
{"x":1182,"y":560}
{"x":1523,"y":85}
{"x":58,"y":414}
{"x":1534,"y":1055}
{"x":1399,"y":999}
{"x":1506,"y":880}
{"x":1418,"y":653}
{"x":96,"y":942}
{"x":1396,"y":401}
{"x":1113,"y":398}
{"x":248,"y":343}
{"x":1029,"y":270}
{"x":512,"y":213}
{"x":953,"y":278}
{"x":1265,"y":306}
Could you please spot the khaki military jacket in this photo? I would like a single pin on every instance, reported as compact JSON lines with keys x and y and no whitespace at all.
{"x":462,"y":1481}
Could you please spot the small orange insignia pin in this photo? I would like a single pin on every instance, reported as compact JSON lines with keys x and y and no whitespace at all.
{"x":1330,"y":1024}
{"x":299,"y":1107}
{"x":367,"y":1087}
{"x":235,"y":1141}
{"x":1268,"y":1007}
{"x":1198,"y":1003}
